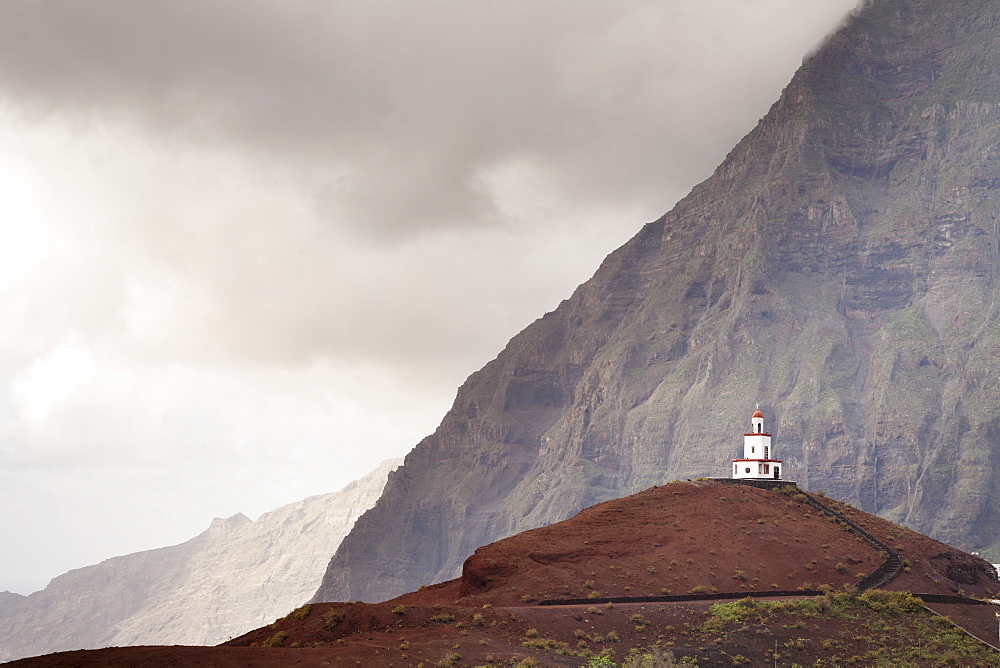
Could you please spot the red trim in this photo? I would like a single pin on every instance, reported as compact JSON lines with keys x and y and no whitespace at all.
{"x":761,"y":434}
{"x":765,"y":461}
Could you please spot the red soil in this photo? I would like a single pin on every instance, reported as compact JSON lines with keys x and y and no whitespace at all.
{"x":703,"y":537}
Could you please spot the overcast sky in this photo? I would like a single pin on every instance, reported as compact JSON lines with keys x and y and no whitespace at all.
{"x":250,"y":249}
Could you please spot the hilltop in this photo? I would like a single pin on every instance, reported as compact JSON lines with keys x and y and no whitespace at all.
{"x":644,"y":572}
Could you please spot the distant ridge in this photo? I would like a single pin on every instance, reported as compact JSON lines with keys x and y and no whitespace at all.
{"x":236,"y":575}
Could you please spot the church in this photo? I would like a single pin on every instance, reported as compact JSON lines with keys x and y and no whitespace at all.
{"x":758,"y":462}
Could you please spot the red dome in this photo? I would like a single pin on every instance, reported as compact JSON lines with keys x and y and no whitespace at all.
{"x":757,"y":413}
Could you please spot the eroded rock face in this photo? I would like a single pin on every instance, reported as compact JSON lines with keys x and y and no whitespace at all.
{"x":237,"y":575}
{"x":839,"y":268}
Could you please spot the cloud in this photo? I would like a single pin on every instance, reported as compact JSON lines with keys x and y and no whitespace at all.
{"x":390,"y":108}
{"x":251,"y":248}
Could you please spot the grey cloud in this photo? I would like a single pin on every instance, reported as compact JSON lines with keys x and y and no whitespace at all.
{"x":405,"y":102}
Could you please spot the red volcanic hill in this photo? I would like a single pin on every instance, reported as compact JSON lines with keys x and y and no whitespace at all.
{"x":642,"y":574}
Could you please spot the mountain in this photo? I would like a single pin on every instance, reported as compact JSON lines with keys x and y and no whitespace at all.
{"x":8,"y":601}
{"x":679,"y":569}
{"x":235,"y":576}
{"x":838,"y":268}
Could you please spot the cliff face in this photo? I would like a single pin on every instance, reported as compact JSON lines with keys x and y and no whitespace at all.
{"x":839,"y":268}
{"x":235,"y":576}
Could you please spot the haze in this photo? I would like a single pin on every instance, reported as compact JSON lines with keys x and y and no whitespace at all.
{"x":250,"y":249}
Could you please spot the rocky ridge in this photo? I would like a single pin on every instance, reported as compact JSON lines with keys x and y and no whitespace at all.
{"x":237,"y":575}
{"x":838,"y":268}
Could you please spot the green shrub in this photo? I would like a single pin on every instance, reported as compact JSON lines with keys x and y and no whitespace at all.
{"x":893,"y":602}
{"x":544,"y":644}
{"x":450,"y":660}
{"x":444,"y":618}
{"x":601,"y":662}
{"x":277,"y":640}
{"x":332,"y":618}
{"x":300,"y":613}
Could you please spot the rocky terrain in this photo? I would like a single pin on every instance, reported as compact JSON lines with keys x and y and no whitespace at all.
{"x":666,"y":573}
{"x":839,"y":268}
{"x":235,"y":576}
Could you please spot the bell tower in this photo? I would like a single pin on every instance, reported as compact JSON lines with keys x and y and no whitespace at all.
{"x":758,"y":455}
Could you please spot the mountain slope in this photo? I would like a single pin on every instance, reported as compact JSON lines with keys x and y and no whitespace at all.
{"x":838,"y":268}
{"x":236,"y":575}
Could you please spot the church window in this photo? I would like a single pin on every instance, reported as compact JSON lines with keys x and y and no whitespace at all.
{"x":748,"y":469}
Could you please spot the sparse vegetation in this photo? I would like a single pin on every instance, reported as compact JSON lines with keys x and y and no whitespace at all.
{"x":544,"y":644}
{"x":277,"y":640}
{"x":921,"y":638}
{"x":300,"y":612}
{"x":333,"y":618}
{"x":450,"y":660}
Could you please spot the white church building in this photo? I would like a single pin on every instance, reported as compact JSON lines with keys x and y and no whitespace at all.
{"x":758,"y":455}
